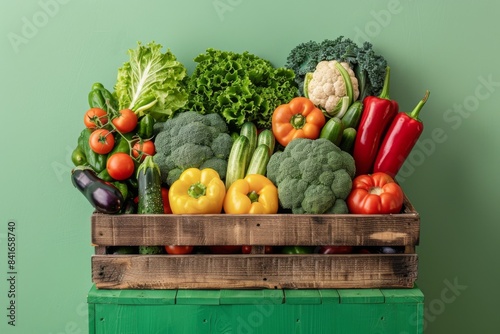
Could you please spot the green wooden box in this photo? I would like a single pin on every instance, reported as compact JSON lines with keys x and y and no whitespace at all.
{"x":308,"y":311}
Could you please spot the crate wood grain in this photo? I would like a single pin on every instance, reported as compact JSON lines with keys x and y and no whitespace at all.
{"x":256,"y":270}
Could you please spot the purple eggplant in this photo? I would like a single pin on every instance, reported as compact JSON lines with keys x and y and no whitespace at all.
{"x":103,"y":196}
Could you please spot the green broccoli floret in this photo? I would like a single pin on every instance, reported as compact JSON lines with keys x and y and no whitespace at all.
{"x":312,"y":176}
{"x":190,"y":139}
{"x":368,"y":66}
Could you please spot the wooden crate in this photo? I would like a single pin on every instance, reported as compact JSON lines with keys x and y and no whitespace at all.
{"x":264,"y":311}
{"x":256,"y":270}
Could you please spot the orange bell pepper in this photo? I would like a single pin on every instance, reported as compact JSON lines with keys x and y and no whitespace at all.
{"x":375,"y":193}
{"x":255,"y":194}
{"x":299,"y":118}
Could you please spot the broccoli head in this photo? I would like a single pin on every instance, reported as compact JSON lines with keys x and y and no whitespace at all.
{"x":312,"y":176}
{"x":190,"y":139}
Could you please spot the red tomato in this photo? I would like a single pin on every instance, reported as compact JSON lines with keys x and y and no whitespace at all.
{"x":126,"y":121}
{"x":248,"y":249}
{"x":336,"y":249}
{"x":120,"y":166}
{"x":225,"y":249}
{"x":146,"y":148}
{"x":166,"y":203}
{"x":95,"y":117}
{"x":101,"y":141}
{"x":375,"y":193}
{"x":179,"y":250}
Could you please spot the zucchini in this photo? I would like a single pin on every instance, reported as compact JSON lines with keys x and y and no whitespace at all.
{"x":149,"y":187}
{"x":352,"y":116}
{"x":149,"y":193}
{"x":260,"y":158}
{"x":348,"y":139}
{"x":267,"y":137}
{"x":238,"y":160}
{"x":333,"y":130}
{"x":249,"y":130}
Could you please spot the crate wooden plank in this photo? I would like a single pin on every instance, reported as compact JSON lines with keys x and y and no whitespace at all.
{"x":281,"y":229}
{"x":274,"y":271}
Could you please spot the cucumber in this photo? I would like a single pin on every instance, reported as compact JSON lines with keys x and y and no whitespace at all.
{"x":260,"y":158}
{"x":332,"y":130}
{"x":238,"y":160}
{"x":149,"y":188}
{"x":249,"y":130}
{"x":267,"y":137}
{"x":150,"y":199}
{"x":352,"y":116}
{"x":348,"y":139}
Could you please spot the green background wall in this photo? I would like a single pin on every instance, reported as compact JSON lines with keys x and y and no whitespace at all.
{"x":51,"y":51}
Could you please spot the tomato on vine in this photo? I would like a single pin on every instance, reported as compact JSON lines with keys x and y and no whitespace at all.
{"x":120,"y":166}
{"x":143,"y":149}
{"x":126,"y":121}
{"x":95,"y":118}
{"x":101,"y":141}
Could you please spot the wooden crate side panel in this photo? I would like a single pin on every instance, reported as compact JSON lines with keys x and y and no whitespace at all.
{"x":353,"y":230}
{"x":253,"y":271}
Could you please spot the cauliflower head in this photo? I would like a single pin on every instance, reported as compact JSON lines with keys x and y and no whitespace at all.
{"x":312,"y":176}
{"x":191,"y":139}
{"x":329,"y":86}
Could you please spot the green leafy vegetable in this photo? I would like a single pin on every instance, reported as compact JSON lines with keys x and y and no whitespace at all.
{"x":240,"y":87}
{"x":152,"y":82}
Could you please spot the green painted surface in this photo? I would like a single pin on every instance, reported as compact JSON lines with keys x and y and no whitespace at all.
{"x":257,"y":311}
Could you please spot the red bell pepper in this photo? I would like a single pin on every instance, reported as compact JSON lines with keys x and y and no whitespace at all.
{"x":399,"y":140}
{"x":378,"y":113}
{"x":375,"y":193}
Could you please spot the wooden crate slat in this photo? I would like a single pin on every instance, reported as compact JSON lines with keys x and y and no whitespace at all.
{"x":254,"y":271}
{"x":281,"y":229}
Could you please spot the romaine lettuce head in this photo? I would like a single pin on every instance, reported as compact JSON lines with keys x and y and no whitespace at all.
{"x":152,"y":82}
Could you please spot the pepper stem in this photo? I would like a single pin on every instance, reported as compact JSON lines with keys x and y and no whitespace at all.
{"x":254,"y":196}
{"x":298,"y":121}
{"x":385,"y":90}
{"x":197,"y":190}
{"x":414,"y":114}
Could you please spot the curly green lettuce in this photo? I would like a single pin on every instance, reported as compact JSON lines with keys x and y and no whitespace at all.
{"x":239,"y":86}
{"x":152,"y":82}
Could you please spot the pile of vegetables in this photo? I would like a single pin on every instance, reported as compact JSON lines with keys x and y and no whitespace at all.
{"x":320,"y":135}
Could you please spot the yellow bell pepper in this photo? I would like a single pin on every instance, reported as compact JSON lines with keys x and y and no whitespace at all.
{"x":197,"y":192}
{"x":254,"y":194}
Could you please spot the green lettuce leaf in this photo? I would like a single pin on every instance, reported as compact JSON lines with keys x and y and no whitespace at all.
{"x":152,"y":82}
{"x":240,"y":87}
